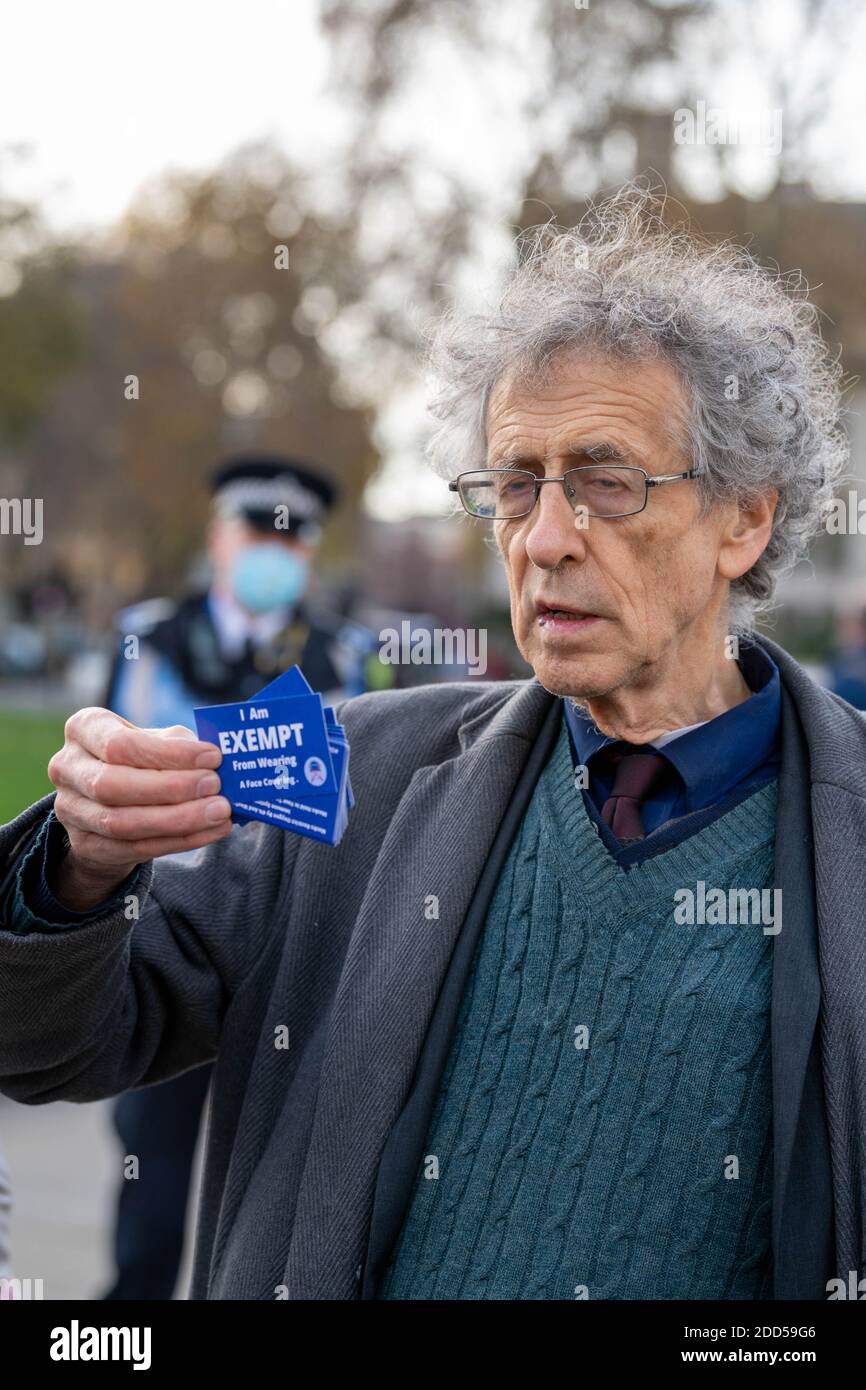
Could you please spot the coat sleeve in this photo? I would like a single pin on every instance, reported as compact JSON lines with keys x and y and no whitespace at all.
{"x":139,"y":994}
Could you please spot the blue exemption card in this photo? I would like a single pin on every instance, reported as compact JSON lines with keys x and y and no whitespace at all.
{"x":285,"y":759}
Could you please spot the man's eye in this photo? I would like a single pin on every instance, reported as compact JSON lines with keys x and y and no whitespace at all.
{"x":516,"y":485}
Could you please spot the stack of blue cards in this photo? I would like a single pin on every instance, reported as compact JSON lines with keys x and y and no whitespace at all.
{"x":285,"y":759}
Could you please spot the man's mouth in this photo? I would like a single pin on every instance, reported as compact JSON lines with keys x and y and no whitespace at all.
{"x":560,"y":617}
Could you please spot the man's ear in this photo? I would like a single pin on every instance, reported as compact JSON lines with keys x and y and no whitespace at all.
{"x":746,"y":534}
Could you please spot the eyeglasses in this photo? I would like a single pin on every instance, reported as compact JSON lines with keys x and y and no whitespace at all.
{"x":610,"y":490}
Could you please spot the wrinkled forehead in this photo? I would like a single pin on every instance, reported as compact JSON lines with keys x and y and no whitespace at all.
{"x":638,"y":405}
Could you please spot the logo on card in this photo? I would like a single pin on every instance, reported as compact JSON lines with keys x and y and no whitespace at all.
{"x":315,"y":772}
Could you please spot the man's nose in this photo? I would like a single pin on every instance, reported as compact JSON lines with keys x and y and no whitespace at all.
{"x":552,"y":531}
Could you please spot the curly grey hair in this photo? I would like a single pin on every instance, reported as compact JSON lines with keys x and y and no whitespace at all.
{"x":762,"y":389}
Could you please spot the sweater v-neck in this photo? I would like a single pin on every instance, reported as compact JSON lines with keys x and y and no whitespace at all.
{"x":728,"y":830}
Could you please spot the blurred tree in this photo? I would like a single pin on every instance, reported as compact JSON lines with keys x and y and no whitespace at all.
{"x":40,"y":328}
{"x":222,"y":299}
{"x":208,"y":307}
{"x":42,"y":334}
{"x":593,"y":89}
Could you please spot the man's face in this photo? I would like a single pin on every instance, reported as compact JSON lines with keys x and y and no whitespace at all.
{"x":636,"y":588}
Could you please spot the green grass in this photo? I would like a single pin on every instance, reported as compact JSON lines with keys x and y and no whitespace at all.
{"x":26,"y":743}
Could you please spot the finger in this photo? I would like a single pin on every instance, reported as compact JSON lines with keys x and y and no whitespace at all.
{"x":97,"y":850}
{"x":172,"y":731}
{"x":77,"y":769}
{"x":115,"y":740}
{"x":139,"y":822}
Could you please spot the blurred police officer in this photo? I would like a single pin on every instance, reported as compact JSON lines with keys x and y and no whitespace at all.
{"x":254,"y":621}
{"x":217,"y":647}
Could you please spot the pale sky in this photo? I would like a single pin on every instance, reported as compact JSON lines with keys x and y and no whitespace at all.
{"x":106,"y":95}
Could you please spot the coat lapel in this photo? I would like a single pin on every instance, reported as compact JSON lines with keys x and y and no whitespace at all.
{"x":410,"y":917}
{"x":819,"y":967}
{"x":799,"y":1242}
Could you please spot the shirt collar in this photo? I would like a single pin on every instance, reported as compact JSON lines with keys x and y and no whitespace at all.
{"x":713,"y":757}
{"x":234,"y":625}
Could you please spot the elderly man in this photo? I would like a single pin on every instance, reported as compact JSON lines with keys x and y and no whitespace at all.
{"x":553,"y":1035}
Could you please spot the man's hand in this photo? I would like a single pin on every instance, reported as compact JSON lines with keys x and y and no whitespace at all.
{"x":126,"y":795}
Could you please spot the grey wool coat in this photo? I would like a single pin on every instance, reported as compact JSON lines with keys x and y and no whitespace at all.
{"x":312,"y":1149}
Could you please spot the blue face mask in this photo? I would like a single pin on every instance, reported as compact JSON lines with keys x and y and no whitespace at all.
{"x":268,"y":576}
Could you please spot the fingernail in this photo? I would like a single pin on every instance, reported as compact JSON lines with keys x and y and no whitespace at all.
{"x":211,"y":758}
{"x":208,"y":785}
{"x":218,"y":809}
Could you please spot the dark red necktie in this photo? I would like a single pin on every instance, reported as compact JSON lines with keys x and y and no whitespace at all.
{"x":638,"y":772}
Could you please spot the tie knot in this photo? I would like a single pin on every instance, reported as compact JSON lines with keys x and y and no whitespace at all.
{"x":638,"y":771}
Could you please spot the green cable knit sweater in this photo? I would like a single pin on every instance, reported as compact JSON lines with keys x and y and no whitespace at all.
{"x":603,"y":1127}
